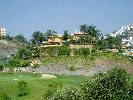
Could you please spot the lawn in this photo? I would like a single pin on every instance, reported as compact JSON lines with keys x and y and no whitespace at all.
{"x":36,"y":84}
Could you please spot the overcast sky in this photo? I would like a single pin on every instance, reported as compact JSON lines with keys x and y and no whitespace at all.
{"x":27,"y":16}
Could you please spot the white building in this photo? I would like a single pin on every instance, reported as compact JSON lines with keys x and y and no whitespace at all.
{"x":2,"y":32}
{"x":127,"y":41}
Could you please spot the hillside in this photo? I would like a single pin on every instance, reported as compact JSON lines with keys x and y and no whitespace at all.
{"x":7,"y":48}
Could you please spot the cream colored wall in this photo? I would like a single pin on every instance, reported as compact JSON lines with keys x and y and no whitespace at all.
{"x":55,"y":39}
{"x":2,"y":32}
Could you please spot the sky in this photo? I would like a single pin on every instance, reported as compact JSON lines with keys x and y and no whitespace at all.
{"x":26,"y":16}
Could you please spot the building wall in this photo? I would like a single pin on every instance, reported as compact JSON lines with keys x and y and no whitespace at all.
{"x":55,"y":39}
{"x":77,"y":35}
{"x":2,"y":32}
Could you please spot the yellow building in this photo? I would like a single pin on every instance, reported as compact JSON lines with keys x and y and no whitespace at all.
{"x":2,"y":32}
{"x":77,"y":35}
{"x":54,"y":40}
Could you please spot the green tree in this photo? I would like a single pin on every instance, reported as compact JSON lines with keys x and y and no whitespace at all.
{"x":8,"y":37}
{"x":36,"y":51}
{"x":52,"y":89}
{"x":82,"y":51}
{"x":64,"y":51}
{"x":83,"y":28}
{"x":101,"y":44}
{"x":93,"y":32}
{"x":15,"y":62}
{"x":65,"y":37}
{"x":114,"y":42}
{"x":90,"y":33}
{"x":24,"y":53}
{"x":50,"y":33}
{"x":23,"y":88}
{"x":37,"y":38}
{"x":21,"y":38}
{"x":112,"y":85}
{"x":108,"y":43}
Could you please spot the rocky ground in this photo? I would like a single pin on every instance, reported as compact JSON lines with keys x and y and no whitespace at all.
{"x":7,"y":48}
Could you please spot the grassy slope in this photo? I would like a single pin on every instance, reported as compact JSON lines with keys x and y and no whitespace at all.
{"x":36,"y":84}
{"x":82,"y":62}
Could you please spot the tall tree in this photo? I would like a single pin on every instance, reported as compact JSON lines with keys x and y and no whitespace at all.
{"x":90,"y":33}
{"x":50,"y":33}
{"x":83,"y":28}
{"x":93,"y":32}
{"x":37,"y":38}
{"x":65,"y":37}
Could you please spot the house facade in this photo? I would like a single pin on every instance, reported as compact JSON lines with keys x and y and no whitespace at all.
{"x":128,"y":41}
{"x":54,"y":40}
{"x":77,"y":35}
{"x":2,"y":32}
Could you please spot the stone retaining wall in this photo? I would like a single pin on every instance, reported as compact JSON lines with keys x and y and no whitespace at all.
{"x":18,"y":69}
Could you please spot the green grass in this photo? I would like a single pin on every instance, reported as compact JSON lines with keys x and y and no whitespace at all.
{"x":36,"y":84}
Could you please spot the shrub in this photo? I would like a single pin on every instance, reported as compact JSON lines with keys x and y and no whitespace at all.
{"x":50,"y":51}
{"x":64,"y":51}
{"x":67,"y":94}
{"x":19,"y":62}
{"x":112,"y":85}
{"x":131,"y":92}
{"x":36,"y":52}
{"x":72,"y":68}
{"x":52,"y":89}
{"x":24,"y":53}
{"x":22,"y":88}
{"x":36,"y":65}
{"x":82,"y":51}
{"x":4,"y":95}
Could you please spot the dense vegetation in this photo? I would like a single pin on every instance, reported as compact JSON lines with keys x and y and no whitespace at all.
{"x":30,"y":50}
{"x":111,"y":85}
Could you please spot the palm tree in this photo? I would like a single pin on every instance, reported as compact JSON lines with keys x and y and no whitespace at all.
{"x":65,"y":37}
{"x":83,"y":28}
{"x":90,"y":32}
{"x":93,"y":32}
{"x":51,"y":33}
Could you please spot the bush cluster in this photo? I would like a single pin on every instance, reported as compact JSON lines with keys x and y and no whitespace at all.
{"x":52,"y":89}
{"x":67,"y":94}
{"x":23,"y":88}
{"x":82,"y":51}
{"x":18,"y":63}
{"x":64,"y":51}
{"x":112,"y":85}
{"x":50,"y":51}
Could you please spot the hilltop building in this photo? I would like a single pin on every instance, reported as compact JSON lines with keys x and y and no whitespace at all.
{"x":126,"y":32}
{"x":2,"y":32}
{"x":53,"y":40}
{"x":77,"y":35}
